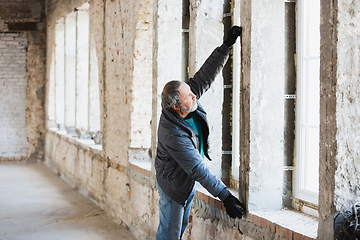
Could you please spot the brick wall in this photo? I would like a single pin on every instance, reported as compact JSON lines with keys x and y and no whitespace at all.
{"x":13,"y":85}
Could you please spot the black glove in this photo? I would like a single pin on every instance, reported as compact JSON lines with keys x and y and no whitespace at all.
{"x":234,"y":208}
{"x":232,"y":35}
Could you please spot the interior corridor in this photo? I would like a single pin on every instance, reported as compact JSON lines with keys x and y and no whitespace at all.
{"x":35,"y":203}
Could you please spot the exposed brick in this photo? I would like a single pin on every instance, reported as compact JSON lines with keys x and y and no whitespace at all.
{"x":212,"y":201}
{"x":201,"y":196}
{"x":297,"y":236}
{"x":288,"y":234}
{"x":307,"y":238}
{"x":13,"y":140}
{"x":263,"y":222}
{"x":206,"y":198}
{"x":218,"y":204}
{"x":279,"y":230}
{"x":255,"y":220}
{"x":272,"y":227}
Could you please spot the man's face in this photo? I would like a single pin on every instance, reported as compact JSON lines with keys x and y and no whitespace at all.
{"x":187,"y":98}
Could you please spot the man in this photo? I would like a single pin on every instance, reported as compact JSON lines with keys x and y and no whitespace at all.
{"x":182,"y":144}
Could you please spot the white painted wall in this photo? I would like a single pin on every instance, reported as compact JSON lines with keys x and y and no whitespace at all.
{"x":206,"y":33}
{"x":347,"y":177}
{"x":266,"y":105}
{"x":13,"y":87}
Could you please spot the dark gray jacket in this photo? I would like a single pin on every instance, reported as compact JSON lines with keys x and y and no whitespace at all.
{"x":178,"y":163}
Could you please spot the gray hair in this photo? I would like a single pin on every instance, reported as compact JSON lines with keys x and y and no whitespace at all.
{"x":170,"y":95}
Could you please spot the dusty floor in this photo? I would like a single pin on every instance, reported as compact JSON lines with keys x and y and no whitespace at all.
{"x":37,"y":204}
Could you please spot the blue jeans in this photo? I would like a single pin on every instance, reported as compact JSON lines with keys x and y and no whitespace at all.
{"x":174,"y":217}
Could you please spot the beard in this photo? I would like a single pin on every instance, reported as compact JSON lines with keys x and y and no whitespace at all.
{"x":189,"y":109}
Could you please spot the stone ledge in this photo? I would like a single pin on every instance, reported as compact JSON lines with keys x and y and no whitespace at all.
{"x":87,"y":144}
{"x":139,"y":168}
{"x":297,"y":226}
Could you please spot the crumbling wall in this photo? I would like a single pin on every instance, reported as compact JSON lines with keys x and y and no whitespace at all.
{"x":29,"y":17}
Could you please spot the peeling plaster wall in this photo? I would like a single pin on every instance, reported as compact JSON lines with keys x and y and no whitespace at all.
{"x":339,"y":112}
{"x":263,"y":89}
{"x":347,"y":178}
{"x":328,"y":144}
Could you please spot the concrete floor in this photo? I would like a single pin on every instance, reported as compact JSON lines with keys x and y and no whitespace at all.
{"x":37,"y":204}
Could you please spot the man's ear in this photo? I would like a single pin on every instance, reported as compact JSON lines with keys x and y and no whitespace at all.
{"x":176,"y":107}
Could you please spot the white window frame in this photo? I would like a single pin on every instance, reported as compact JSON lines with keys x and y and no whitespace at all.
{"x":306,"y":159}
{"x":235,"y":161}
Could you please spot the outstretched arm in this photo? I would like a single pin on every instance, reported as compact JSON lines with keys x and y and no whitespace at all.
{"x":203,"y":78}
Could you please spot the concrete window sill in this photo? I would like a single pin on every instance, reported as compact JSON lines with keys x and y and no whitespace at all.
{"x":87,"y":143}
{"x":289,"y":224}
{"x":140,"y":166}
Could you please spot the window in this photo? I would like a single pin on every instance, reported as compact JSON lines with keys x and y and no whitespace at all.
{"x":74,"y":103}
{"x":235,"y":161}
{"x":308,"y":100}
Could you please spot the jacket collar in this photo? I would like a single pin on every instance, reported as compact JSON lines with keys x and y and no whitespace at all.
{"x":179,"y":121}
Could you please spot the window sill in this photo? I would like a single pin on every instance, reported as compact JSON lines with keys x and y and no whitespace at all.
{"x":86,"y":143}
{"x":291,"y":220}
{"x":289,"y":224}
{"x":141,"y":166}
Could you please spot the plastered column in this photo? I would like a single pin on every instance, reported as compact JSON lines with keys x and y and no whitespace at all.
{"x":340,"y":112}
{"x":347,"y":176}
{"x":205,"y":34}
{"x":263,"y":102}
{"x":166,"y":55}
{"x":328,"y":144}
{"x":120,"y":26}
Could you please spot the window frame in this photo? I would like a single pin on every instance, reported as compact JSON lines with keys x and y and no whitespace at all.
{"x":303,"y":58}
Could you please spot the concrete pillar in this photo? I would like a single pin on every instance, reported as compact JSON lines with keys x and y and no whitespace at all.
{"x":167,"y":47}
{"x":142,"y":79}
{"x":339,"y":112}
{"x":120,"y":27}
{"x":263,"y":102}
{"x":166,"y":55}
